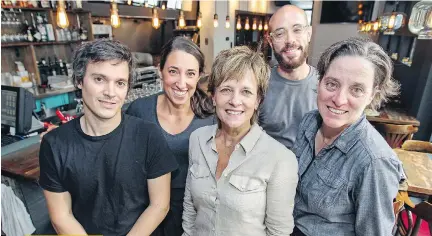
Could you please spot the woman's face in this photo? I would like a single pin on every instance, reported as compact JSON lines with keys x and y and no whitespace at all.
{"x":236,"y":101}
{"x":345,"y":91}
{"x":180,"y":76}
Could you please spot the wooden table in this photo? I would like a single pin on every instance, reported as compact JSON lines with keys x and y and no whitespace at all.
{"x":23,"y":163}
{"x":395,"y":116}
{"x":418,"y":168}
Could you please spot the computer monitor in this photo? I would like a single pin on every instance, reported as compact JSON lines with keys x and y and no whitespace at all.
{"x":17,"y":105}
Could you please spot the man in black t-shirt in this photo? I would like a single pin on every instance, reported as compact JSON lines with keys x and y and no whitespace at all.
{"x":105,"y":172}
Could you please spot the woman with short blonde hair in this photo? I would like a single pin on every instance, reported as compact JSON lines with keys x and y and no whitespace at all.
{"x":241,"y":181}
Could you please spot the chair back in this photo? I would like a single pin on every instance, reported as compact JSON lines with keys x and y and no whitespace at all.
{"x":395,"y":135}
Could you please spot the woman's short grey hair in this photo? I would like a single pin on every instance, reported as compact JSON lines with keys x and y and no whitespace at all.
{"x":234,"y":63}
{"x":100,"y":51}
{"x":384,"y":85}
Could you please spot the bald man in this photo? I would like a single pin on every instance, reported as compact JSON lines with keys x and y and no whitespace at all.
{"x":292,"y":88}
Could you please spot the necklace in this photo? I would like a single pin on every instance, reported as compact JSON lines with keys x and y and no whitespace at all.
{"x":323,"y":139}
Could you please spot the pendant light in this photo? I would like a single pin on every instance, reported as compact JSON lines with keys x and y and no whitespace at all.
{"x":227,"y":19}
{"x":215,"y":18}
{"x":254,"y":24}
{"x":238,"y":26}
{"x":62,"y":18}
{"x":182,"y":22}
{"x":260,"y":26}
{"x":155,"y":19}
{"x":115,"y":19}
{"x":247,"y":26}
{"x":199,"y":20}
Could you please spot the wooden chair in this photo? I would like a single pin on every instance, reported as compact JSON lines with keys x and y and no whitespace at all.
{"x":395,"y":135}
{"x":417,"y":146}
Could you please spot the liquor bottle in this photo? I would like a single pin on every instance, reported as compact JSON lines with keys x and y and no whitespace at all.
{"x":45,"y":3}
{"x":37,"y":36}
{"x":41,"y":27}
{"x":28,"y":30}
{"x":43,"y":71}
{"x":82,"y":31}
{"x":63,"y":69}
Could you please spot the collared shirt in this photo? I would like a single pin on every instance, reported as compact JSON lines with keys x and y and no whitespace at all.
{"x":348,"y":188}
{"x":253,"y":196}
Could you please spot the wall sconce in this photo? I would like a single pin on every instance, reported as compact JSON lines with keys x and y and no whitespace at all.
{"x":155,"y":19}
{"x":62,"y":18}
{"x":247,"y":26}
{"x":199,"y":21}
{"x":182,"y":22}
{"x":115,"y":19}
{"x":239,"y":26}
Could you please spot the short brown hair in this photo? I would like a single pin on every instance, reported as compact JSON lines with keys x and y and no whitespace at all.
{"x":383,"y":67}
{"x":233,"y":63}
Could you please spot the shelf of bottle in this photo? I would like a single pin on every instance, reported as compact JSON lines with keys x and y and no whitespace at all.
{"x":44,"y":9}
{"x":23,"y":44}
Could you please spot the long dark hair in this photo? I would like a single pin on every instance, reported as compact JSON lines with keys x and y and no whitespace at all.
{"x":201,"y":104}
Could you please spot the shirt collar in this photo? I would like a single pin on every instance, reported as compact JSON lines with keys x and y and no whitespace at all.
{"x":247,"y":142}
{"x":346,"y":139}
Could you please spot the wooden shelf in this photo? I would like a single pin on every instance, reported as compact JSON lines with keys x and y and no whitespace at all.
{"x":28,"y":8}
{"x":24,"y":44}
{"x":401,"y":32}
{"x":45,"y":9}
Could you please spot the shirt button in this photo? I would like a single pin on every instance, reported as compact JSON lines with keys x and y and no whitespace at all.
{"x":237,"y":146}
{"x":243,"y":186}
{"x":225,"y":174}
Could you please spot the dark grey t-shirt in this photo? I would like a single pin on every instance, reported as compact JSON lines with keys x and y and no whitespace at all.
{"x":145,"y":108}
{"x":285,"y":103}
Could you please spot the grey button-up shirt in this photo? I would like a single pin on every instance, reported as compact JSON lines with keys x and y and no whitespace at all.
{"x":349,"y":186}
{"x":254,"y":195}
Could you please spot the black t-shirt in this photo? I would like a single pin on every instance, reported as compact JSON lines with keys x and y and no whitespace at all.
{"x":146,"y":109}
{"x":105,"y":175}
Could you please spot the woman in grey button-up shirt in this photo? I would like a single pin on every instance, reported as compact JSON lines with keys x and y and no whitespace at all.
{"x":240,"y":181}
{"x":348,"y":173}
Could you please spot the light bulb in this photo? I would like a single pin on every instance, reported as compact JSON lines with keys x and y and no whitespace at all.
{"x":215,"y":21}
{"x":146,"y":4}
{"x":155,"y":19}
{"x":115,"y":19}
{"x":62,"y":18}
{"x":129,"y":2}
{"x":182,"y":22}
{"x":265,"y":26}
{"x":254,"y":24}
{"x":239,"y":26}
{"x":199,"y":22}
{"x":227,"y":22}
{"x":375,"y":26}
{"x":391,"y":21}
{"x":260,"y":26}
{"x":163,"y":6}
{"x":247,"y":26}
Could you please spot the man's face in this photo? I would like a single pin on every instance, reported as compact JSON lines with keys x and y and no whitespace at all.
{"x":104,"y":89}
{"x":289,"y":38}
